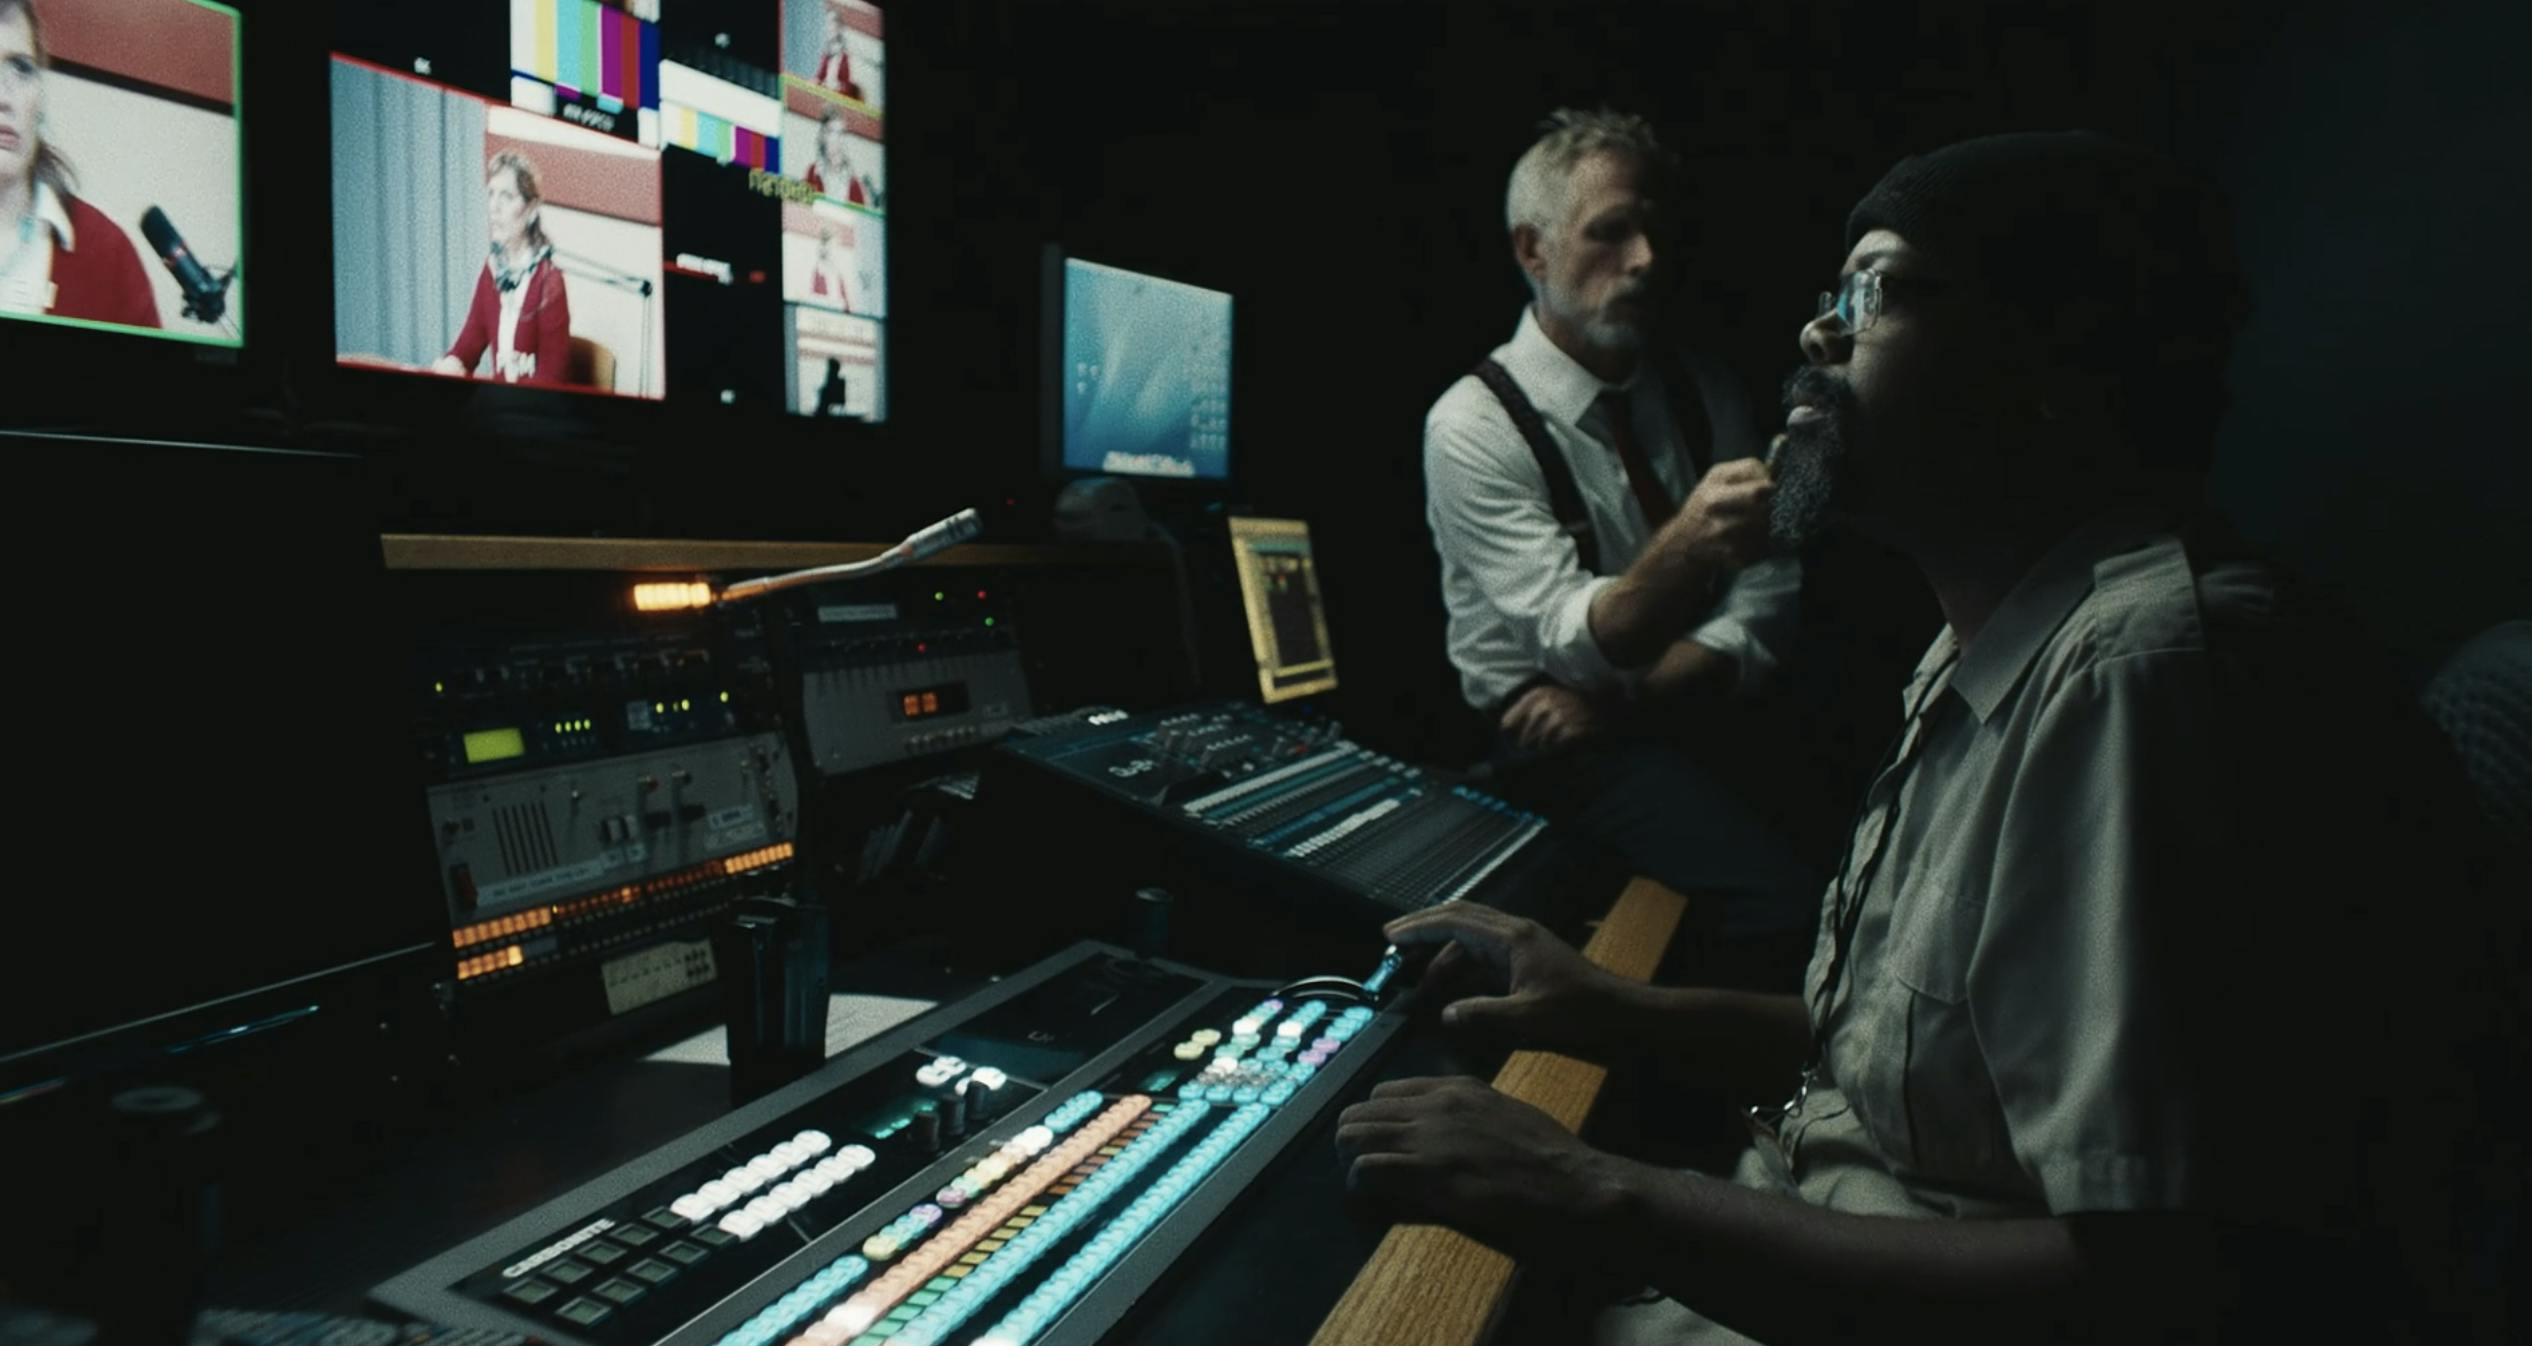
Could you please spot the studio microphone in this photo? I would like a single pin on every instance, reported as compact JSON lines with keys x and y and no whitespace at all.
{"x":930,"y":540}
{"x":206,"y":298}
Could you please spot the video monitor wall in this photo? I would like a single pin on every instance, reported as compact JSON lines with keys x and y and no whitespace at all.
{"x":121,"y":167}
{"x":678,"y":199}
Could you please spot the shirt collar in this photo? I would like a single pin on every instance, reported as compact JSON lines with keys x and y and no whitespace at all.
{"x":1993,"y":663}
{"x":1558,"y":385}
{"x":53,"y":215}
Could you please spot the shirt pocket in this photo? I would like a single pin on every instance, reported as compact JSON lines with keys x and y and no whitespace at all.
{"x":1933,"y":1102}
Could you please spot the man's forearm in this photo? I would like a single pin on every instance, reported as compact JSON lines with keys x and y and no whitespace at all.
{"x":1639,"y":614}
{"x":1745,"y":1043}
{"x":1687,"y":668}
{"x":1783,"y":1271}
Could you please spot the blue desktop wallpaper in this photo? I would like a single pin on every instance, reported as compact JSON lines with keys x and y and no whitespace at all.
{"x":1147,"y":375}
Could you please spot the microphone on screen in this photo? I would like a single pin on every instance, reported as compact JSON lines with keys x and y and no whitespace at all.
{"x":206,"y":296}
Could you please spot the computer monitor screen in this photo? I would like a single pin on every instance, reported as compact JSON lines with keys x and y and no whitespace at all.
{"x":120,"y":134}
{"x":643,"y":198}
{"x":1146,"y":374}
{"x":1287,"y":625}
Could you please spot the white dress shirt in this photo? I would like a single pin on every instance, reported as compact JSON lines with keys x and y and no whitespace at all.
{"x":1518,"y":596}
{"x":26,"y":262}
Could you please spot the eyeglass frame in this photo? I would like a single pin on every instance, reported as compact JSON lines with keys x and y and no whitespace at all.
{"x":1861,"y":294}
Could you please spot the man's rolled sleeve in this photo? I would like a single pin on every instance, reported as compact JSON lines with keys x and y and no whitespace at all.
{"x":1491,"y":515}
{"x":1754,"y":621}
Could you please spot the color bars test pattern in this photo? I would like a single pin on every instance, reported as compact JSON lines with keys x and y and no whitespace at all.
{"x":587,"y":49}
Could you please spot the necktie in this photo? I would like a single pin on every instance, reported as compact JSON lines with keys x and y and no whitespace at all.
{"x":1619,"y":411}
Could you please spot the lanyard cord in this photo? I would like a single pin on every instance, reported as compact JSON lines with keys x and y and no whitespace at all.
{"x":1849,"y":909}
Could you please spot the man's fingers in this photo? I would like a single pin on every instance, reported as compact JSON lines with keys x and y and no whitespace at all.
{"x":1487,"y":931}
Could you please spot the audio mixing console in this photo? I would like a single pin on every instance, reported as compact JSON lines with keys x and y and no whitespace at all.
{"x":1018,"y":1167}
{"x":1286,"y":808}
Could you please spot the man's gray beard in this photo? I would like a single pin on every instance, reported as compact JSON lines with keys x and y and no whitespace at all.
{"x":1610,"y":335}
{"x":1806,"y":472}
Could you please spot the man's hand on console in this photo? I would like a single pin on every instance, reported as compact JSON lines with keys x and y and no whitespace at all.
{"x":1550,"y":716}
{"x":1453,"y":1151}
{"x":1510,"y":981}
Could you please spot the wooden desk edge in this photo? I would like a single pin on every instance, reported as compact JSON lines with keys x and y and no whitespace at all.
{"x":1430,"y":1286}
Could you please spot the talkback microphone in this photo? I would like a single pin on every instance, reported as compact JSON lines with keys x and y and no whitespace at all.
{"x":206,"y":298}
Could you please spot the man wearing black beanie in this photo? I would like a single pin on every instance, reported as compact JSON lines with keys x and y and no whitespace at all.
{"x":2094,"y":1040}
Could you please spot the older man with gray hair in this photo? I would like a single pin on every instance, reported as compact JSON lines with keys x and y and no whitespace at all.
{"x":1601,"y":513}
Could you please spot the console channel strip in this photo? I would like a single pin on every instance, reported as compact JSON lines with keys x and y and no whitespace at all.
{"x":1015,"y":1168}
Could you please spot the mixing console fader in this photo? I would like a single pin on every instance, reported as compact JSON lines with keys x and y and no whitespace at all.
{"x":1015,"y":1168}
{"x":1281,"y":807}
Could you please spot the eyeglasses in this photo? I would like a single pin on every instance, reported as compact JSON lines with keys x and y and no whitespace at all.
{"x":1858,"y":302}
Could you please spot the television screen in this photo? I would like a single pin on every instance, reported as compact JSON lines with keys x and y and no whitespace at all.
{"x":1146,"y":375}
{"x":620,"y":197}
{"x":121,"y":167}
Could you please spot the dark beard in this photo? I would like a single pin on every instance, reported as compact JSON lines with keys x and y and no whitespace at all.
{"x":1811,"y":465}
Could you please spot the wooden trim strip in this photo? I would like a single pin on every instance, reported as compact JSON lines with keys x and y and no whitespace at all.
{"x":1430,"y":1286}
{"x":446,"y":551}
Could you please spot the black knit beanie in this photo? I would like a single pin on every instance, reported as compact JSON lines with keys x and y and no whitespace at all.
{"x":2121,"y":255}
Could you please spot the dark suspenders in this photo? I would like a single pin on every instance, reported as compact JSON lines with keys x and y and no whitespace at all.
{"x":1563,"y":497}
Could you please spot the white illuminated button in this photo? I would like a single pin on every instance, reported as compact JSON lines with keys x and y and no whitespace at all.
{"x":1245,"y":1027}
{"x":1036,"y":1138}
{"x":833,"y":1168}
{"x":791,"y":1196}
{"x":790,"y":1154}
{"x":767,"y":1167}
{"x":815,"y":1181}
{"x":818,"y":1142}
{"x":1289,"y":1028}
{"x":742,"y":1225}
{"x":1205,"y":1037}
{"x":693,"y":1206}
{"x":719,"y":1193}
{"x":766,"y":1209}
{"x":743,"y":1180}
{"x":990,"y":1078}
{"x":1187,"y":1051}
{"x":859,"y":1156}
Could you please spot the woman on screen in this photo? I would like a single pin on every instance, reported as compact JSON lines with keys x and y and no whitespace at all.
{"x":521,"y":312}
{"x":835,"y":65}
{"x":832,"y":172}
{"x":59,"y":256}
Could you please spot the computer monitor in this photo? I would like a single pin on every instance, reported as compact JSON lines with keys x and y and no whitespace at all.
{"x":634,"y":198}
{"x":123,"y":128}
{"x":1287,"y":624}
{"x":1140,"y":374}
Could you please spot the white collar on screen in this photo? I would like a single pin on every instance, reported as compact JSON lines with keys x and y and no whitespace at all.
{"x":54,"y":216}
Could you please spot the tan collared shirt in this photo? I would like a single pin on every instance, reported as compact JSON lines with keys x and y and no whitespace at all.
{"x":2008,"y":1035}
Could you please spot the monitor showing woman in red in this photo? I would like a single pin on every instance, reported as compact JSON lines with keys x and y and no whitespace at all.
{"x":520,"y":311}
{"x":59,"y":256}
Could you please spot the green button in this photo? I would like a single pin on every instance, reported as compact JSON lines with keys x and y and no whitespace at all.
{"x":682,"y":1251}
{"x":585,"y":1312}
{"x":531,"y":1292}
{"x":938,"y":1284}
{"x":569,"y":1272}
{"x":603,"y":1253}
{"x":653,"y":1270}
{"x":714,"y":1235}
{"x":632,"y":1235}
{"x":620,"y":1290}
{"x":923,"y":1299}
